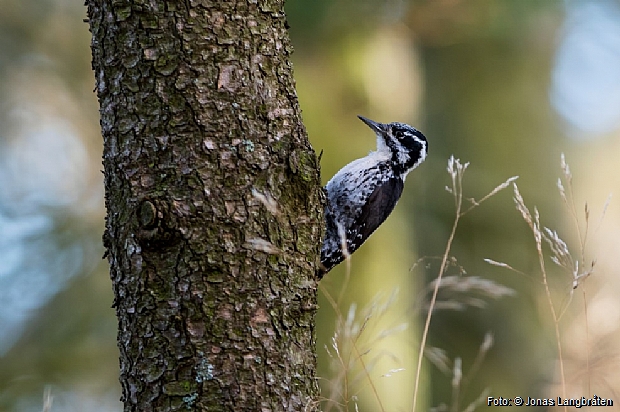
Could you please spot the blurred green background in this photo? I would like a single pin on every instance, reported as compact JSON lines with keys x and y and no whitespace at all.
{"x":507,"y":85}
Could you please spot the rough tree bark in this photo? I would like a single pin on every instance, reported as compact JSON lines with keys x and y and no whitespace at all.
{"x":214,"y":206}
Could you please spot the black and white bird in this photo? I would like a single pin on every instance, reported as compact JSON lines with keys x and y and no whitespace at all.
{"x":363,"y":193}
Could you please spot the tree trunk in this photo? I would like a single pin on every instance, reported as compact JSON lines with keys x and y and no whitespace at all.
{"x":214,"y":206}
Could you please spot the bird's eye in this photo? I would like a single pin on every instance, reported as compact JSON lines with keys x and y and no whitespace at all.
{"x":397,"y":133}
{"x":400,"y":134}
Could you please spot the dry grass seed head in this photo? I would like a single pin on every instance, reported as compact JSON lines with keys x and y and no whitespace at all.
{"x":439,"y":358}
{"x":343,"y":241}
{"x":48,"y":399}
{"x":459,"y":381}
{"x":561,"y":254}
{"x":481,"y":400}
{"x":349,"y":348}
{"x":457,"y":372}
{"x":467,"y":291}
{"x":520,"y":204}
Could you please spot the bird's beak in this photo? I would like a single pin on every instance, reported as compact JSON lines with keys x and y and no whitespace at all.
{"x":376,"y":126}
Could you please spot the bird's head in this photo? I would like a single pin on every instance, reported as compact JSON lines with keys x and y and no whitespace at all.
{"x":407,"y":145}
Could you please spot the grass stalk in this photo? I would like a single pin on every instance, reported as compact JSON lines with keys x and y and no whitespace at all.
{"x":456,"y":170}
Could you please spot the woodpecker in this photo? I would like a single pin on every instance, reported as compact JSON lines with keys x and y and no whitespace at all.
{"x":363,"y":193}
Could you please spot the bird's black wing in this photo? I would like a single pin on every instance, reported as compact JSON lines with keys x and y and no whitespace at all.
{"x":356,"y":209}
{"x":374,"y":212}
